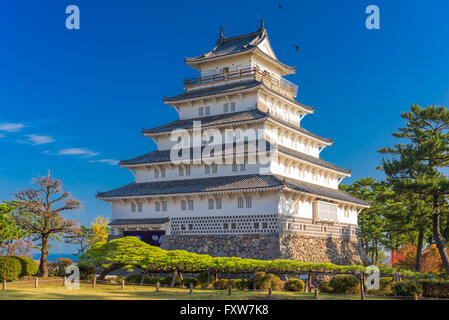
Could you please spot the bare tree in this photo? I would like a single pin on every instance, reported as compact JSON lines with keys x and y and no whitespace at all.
{"x":39,"y":212}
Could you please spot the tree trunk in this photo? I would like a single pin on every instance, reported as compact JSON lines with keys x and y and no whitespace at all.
{"x":173,"y":281}
{"x":106,"y":271}
{"x":419,"y":250}
{"x":437,"y":234}
{"x":43,"y":267}
{"x":143,"y":278}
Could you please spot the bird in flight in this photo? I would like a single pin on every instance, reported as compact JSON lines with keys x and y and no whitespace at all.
{"x":297,"y":48}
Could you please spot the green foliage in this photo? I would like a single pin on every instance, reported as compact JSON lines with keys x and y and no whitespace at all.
{"x":87,"y":272}
{"x":294,"y":285}
{"x":435,"y":288}
{"x":345,"y":284}
{"x":264,"y":281}
{"x":188,"y":281}
{"x":10,"y":268}
{"x":324,"y":286}
{"x":29,"y":267}
{"x":386,"y":287}
{"x":407,"y":288}
{"x":63,"y":263}
{"x":9,"y":230}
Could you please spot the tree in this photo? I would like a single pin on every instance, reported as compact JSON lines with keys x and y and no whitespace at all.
{"x":79,"y":236}
{"x":416,"y":165}
{"x":39,"y":211}
{"x":372,"y":220}
{"x":10,"y":232}
{"x":99,"y":230}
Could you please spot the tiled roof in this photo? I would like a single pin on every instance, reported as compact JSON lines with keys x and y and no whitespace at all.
{"x":209,"y":91}
{"x":315,"y":160}
{"x":314,"y":189}
{"x":301,"y":129}
{"x":139,"y":221}
{"x":164,"y":155}
{"x":220,"y":119}
{"x":227,"y":89}
{"x":216,"y":184}
{"x":238,"y":183}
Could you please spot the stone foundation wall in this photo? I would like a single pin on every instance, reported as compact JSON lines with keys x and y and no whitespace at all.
{"x":254,"y":246}
{"x":271,"y":246}
{"x":341,"y":251}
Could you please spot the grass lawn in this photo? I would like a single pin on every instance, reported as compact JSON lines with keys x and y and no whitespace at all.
{"x":55,"y":290}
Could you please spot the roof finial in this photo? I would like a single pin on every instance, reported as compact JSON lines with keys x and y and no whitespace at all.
{"x":220,"y":36}
{"x":262,"y":24}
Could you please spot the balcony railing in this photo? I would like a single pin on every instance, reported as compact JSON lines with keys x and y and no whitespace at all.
{"x":278,"y":84}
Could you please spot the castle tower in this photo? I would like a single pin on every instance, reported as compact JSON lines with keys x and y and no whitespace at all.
{"x":237,"y":174}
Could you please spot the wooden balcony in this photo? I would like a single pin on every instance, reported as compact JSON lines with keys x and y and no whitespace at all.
{"x":280,"y":85}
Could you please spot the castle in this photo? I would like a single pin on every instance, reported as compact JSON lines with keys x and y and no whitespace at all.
{"x":237,"y":174}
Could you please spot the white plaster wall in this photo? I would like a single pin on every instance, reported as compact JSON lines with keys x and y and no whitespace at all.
{"x":267,"y":204}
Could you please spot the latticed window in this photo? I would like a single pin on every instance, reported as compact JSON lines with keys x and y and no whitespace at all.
{"x":225,"y":107}
{"x":181,"y":171}
{"x":190,"y":204}
{"x":207,"y":110}
{"x":211,"y":203}
{"x":201,"y":111}
{"x":183,"y":205}
{"x":157,"y":205}
{"x":156,"y":173}
{"x":187,"y":170}
{"x":139,"y":206}
{"x":218,"y":204}
{"x":232,"y":106}
{"x":164,"y":205}
{"x":133,"y":207}
{"x":324,"y":211}
{"x":240,"y":202}
{"x":163,"y":172}
{"x":248,"y":202}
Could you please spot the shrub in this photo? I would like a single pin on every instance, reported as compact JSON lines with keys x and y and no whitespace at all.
{"x":263,"y":281}
{"x":62,"y":264}
{"x":324,"y":286}
{"x":407,"y":288}
{"x":87,"y":272}
{"x":294,"y":285}
{"x":29,"y":267}
{"x":221,"y":284}
{"x":202,"y":278}
{"x":385,"y":287}
{"x":345,"y":284}
{"x":435,"y":288}
{"x":194,"y":281}
{"x":10,"y":268}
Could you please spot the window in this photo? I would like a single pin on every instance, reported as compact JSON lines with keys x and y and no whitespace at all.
{"x":242,"y":167}
{"x":133,"y":207}
{"x":233,"y":226}
{"x":225,"y":107}
{"x":256,"y":225}
{"x":225,"y":226}
{"x":190,"y":204}
{"x":304,"y":227}
{"x":234,"y":167}
{"x":232,"y":106}
{"x":188,"y":171}
{"x":181,"y":171}
{"x":240,"y":202}
{"x":218,"y":203}
{"x":214,"y":168}
{"x":190,"y":226}
{"x":164,"y":205}
{"x":248,"y":202}
{"x":264,"y":225}
{"x":207,"y":169}
{"x":183,"y":205}
{"x":211,"y":204}
{"x":156,"y":173}
{"x":226,"y":71}
{"x":201,"y":111}
{"x":207,"y":110}
{"x":139,"y":206}
{"x":183,"y":227}
{"x":157,"y":206}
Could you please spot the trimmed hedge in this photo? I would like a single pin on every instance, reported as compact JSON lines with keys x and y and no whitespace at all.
{"x":407,"y":288}
{"x":345,"y":284}
{"x":29,"y":266}
{"x":294,"y":285}
{"x":10,"y":268}
{"x":435,"y":288}
{"x":324,"y":286}
{"x":386,"y":287}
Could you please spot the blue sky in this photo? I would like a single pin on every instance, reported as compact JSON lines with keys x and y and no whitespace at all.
{"x":74,"y":101}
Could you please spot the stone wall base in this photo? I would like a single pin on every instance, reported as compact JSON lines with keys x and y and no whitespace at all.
{"x":341,"y":251}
